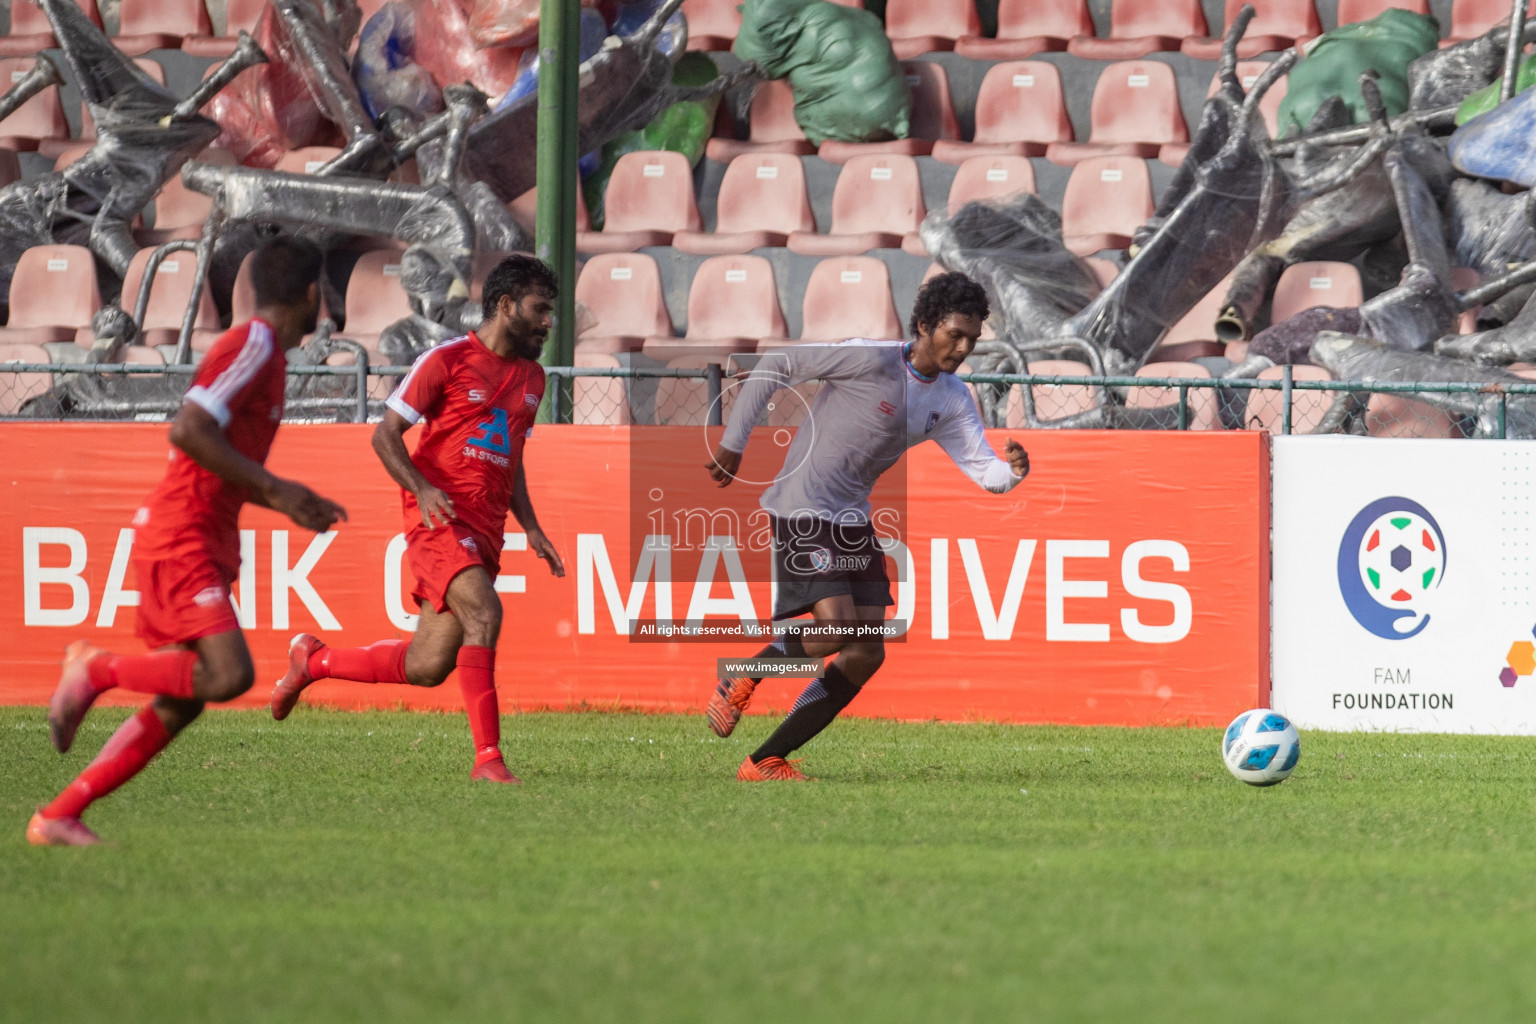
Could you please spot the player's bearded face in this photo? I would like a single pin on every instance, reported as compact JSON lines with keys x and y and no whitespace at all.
{"x":954,"y":339}
{"x":529,"y":324}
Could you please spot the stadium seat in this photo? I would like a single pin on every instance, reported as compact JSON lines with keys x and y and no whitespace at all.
{"x":933,"y":119}
{"x":18,"y":387}
{"x":41,"y":117}
{"x":151,"y":68}
{"x":761,"y":202}
{"x":849,"y":298}
{"x":69,"y":154}
{"x":138,"y":355}
{"x":1019,"y":111}
{"x":1305,"y":285}
{"x":926,"y":26}
{"x":1400,"y":416}
{"x":179,"y":211}
{"x":1200,"y":402}
{"x":1107,"y":199}
{"x":1104,"y":270}
{"x":1195,"y":333}
{"x":238,"y":14}
{"x":772,"y":126}
{"x":1052,"y":401}
{"x":306,"y":159}
{"x":31,"y":31}
{"x":53,"y":294}
{"x":1471,"y":18}
{"x":733,"y":299}
{"x":374,"y":297}
{"x":1028,"y":27}
{"x":990,"y":177}
{"x":1276,"y":25}
{"x":1265,"y":409}
{"x":1351,"y":11}
{"x":649,"y":199}
{"x":1135,"y":112}
{"x":145,"y":25}
{"x":1248,"y":72}
{"x":712,"y":24}
{"x":623,"y":294}
{"x":168,"y":298}
{"x":878,"y":199}
{"x":1140,"y":27}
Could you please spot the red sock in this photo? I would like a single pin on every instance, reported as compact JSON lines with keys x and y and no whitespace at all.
{"x":383,"y":662}
{"x":477,"y":680}
{"x":124,"y":756}
{"x":168,"y":673}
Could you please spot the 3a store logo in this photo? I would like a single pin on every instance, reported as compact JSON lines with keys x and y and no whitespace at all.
{"x":1391,"y":558}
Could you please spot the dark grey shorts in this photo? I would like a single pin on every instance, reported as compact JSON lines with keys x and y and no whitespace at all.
{"x":814,"y":558}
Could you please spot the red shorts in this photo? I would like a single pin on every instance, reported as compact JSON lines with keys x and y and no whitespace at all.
{"x":181,"y":600}
{"x":438,"y":555}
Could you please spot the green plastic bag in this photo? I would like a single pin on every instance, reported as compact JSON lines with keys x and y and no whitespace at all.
{"x":1486,"y":98}
{"x":1388,"y":42}
{"x":848,"y":85}
{"x":682,"y":128}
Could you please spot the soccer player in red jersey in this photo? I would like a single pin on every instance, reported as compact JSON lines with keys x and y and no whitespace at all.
{"x":186,"y":549}
{"x":478,"y":395}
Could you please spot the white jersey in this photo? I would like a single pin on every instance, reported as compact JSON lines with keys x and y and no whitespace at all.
{"x":871,"y":407}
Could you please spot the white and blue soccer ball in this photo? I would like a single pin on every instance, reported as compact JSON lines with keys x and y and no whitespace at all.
{"x":1261,"y":747}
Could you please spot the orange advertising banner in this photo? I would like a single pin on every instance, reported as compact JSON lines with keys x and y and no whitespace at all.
{"x":1125,"y":582}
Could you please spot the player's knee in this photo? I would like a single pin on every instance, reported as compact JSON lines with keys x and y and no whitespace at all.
{"x":427,"y":675}
{"x":867,"y":656}
{"x":230,"y":681}
{"x":481,"y":624}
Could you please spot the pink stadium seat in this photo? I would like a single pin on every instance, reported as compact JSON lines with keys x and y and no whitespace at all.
{"x":712,"y":24}
{"x":924,"y":26}
{"x":1104,"y":270}
{"x":735,"y":298}
{"x":849,"y":298}
{"x":1305,"y":285}
{"x":1019,"y":111}
{"x":1471,"y":18}
{"x":622,"y":292}
{"x":1135,"y":112}
{"x":1140,"y":27}
{"x":1052,"y":401}
{"x":146,"y":25}
{"x":21,"y":386}
{"x":179,"y":211}
{"x":990,"y":177}
{"x":168,"y":298}
{"x":1351,"y":11}
{"x":238,"y":14}
{"x":1195,"y":334}
{"x":242,"y":300}
{"x":1028,"y":27}
{"x":1201,"y":402}
{"x":1107,"y":199}
{"x":649,"y":199}
{"x":933,"y":118}
{"x":525,"y":210}
{"x":1277,"y":25}
{"x":773,"y":126}
{"x":31,"y":32}
{"x":41,"y":117}
{"x":1265,"y":409}
{"x":138,"y":355}
{"x":878,"y":199}
{"x":69,"y":154}
{"x":151,"y":68}
{"x":53,"y":294}
{"x":761,"y":202}
{"x":374,"y":297}
{"x":1401,"y":416}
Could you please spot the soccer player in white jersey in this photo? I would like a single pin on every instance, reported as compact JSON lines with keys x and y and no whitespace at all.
{"x":876,"y":400}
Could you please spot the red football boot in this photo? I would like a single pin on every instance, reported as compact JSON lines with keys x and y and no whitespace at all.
{"x":286,"y":693}
{"x":74,"y":695}
{"x":490,"y":767}
{"x":43,"y":831}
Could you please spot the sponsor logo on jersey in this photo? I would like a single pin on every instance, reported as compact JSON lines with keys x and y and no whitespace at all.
{"x":531,"y":399}
{"x":888,"y":408}
{"x":933,"y":421}
{"x":468,"y":543}
{"x":209,"y":596}
{"x":476,"y":395}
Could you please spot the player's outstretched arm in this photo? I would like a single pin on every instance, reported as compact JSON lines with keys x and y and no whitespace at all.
{"x":389,"y":444}
{"x":199,"y":435}
{"x":522,"y":511}
{"x":961,"y":435}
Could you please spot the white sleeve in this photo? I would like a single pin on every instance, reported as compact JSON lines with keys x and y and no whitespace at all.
{"x":964,"y":440}
{"x":216,"y":396}
{"x":784,"y":368}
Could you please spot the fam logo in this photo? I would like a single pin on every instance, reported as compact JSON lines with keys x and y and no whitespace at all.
{"x":1391,"y":557}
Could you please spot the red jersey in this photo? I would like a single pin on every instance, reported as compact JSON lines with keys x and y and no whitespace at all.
{"x":240,"y":383}
{"x":479,"y":409}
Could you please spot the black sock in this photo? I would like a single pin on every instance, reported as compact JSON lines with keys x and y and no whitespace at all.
{"x":787,"y":646}
{"x":813,"y":712}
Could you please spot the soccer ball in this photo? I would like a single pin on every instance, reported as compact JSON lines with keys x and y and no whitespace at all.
{"x":1261,"y":747}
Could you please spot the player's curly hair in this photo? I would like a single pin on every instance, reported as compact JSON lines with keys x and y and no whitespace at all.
{"x":944,"y":296}
{"x":516,"y":276}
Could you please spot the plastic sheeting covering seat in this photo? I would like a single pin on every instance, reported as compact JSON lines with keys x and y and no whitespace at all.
{"x":1248,"y":72}
{"x":1195,"y":333}
{"x":649,"y":199}
{"x":1107,"y":199}
{"x":926,"y":26}
{"x":933,"y":118}
{"x":1276,"y":25}
{"x":878,"y":199}
{"x":1028,"y":27}
{"x":1135,"y":112}
{"x":773,"y":128}
{"x":849,"y":298}
{"x":1140,"y":27}
{"x":179,"y":211}
{"x":761,"y":202}
{"x":1020,"y":110}
{"x":53,"y":294}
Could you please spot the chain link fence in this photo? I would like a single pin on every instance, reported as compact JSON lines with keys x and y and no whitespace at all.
{"x":1286,"y":401}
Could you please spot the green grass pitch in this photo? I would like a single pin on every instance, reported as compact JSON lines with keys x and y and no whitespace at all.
{"x":341,"y":867}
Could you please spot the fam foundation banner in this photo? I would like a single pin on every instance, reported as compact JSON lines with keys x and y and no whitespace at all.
{"x":1405,"y":584}
{"x":1124,"y":582}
